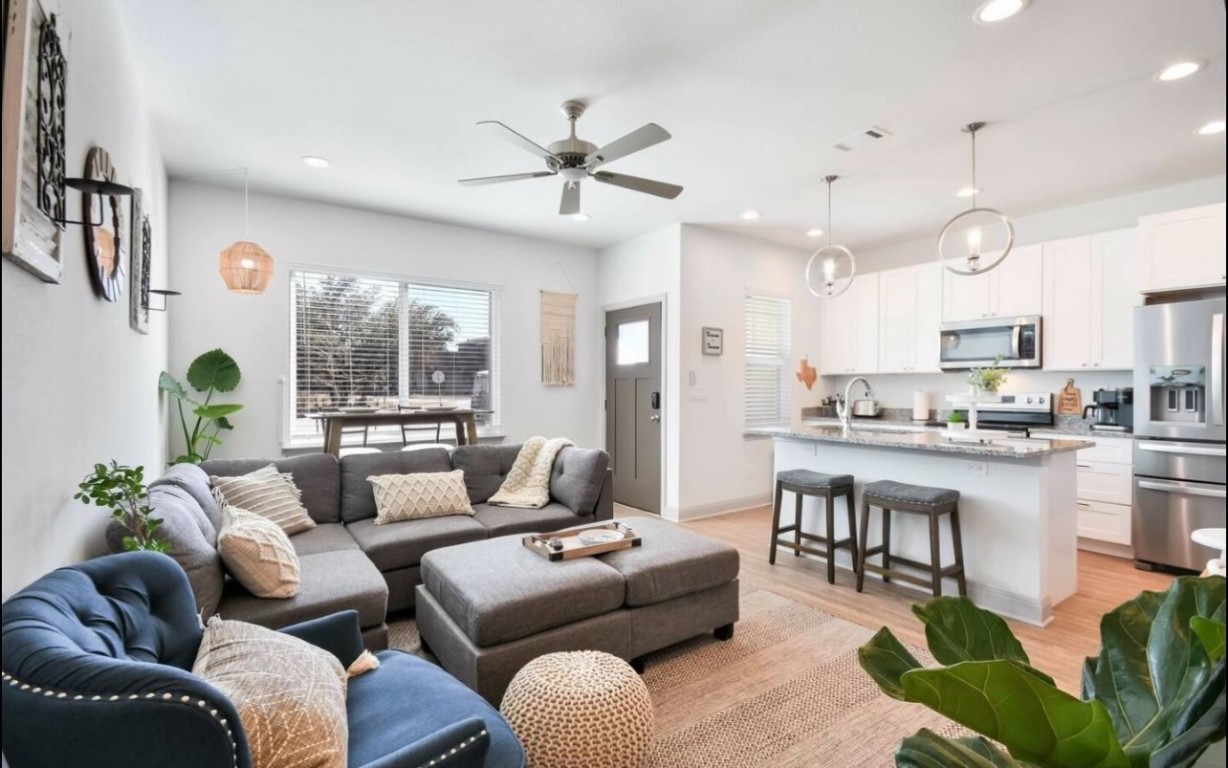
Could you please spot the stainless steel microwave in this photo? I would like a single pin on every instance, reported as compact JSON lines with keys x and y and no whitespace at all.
{"x":1014,"y":341}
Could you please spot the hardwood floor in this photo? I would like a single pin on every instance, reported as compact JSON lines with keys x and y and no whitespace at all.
{"x":1058,"y":649}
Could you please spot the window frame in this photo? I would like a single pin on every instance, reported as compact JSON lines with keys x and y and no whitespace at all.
{"x":403,"y":281}
{"x":781,"y":361}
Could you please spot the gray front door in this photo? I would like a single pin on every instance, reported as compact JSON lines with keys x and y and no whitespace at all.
{"x":633,"y":404}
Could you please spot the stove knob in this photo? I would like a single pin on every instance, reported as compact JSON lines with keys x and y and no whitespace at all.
{"x":1041,"y":400}
{"x":1029,"y":399}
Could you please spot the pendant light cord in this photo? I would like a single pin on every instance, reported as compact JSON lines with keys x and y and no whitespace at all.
{"x":975,"y":190}
{"x":246,"y":219}
{"x":829,"y":211}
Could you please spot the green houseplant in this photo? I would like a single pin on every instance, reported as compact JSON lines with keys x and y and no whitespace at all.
{"x":213,"y":372}
{"x":956,"y":421}
{"x":122,"y":489}
{"x":1153,"y":698}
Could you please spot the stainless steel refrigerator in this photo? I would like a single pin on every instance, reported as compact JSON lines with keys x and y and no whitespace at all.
{"x":1178,"y":430}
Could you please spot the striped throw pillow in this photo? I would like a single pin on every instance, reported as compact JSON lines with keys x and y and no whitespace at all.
{"x":268,"y":493}
{"x":418,"y":495}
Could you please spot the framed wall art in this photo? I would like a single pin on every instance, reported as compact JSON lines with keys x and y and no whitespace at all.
{"x":141,"y":256}
{"x":558,"y":339}
{"x":713,"y":341}
{"x":33,"y":134}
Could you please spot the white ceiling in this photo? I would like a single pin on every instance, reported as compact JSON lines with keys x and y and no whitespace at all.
{"x":755,"y":94}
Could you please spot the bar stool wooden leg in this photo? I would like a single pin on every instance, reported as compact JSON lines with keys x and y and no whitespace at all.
{"x":935,"y":557}
{"x":831,"y":539}
{"x":865,"y":534}
{"x":886,"y":543}
{"x":797,"y":529}
{"x":958,"y":543}
{"x":775,"y":521}
{"x":848,"y":506}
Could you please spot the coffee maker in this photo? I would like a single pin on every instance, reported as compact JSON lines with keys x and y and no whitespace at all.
{"x":1112,"y":410}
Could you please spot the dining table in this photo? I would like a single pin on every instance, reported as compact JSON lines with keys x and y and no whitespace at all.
{"x":464,"y":419}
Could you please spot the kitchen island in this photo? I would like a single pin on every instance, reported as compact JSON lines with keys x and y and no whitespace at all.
{"x":1019,"y":536}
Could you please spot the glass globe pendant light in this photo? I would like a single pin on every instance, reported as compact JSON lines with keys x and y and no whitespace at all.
{"x":838,"y":264}
{"x":245,"y":267}
{"x":979,"y":239}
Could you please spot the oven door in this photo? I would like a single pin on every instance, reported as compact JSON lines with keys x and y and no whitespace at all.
{"x":1166,"y":512}
{"x":976,"y":343}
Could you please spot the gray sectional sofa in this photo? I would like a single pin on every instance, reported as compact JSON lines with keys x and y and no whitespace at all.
{"x":348,"y":562}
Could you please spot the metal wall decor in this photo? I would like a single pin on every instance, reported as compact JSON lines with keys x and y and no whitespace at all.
{"x":33,"y":137}
{"x":978,"y":239}
{"x":106,"y":243}
{"x":142,"y":256}
{"x":838,"y":263}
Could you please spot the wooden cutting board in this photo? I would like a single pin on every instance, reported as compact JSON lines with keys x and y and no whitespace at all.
{"x":1070,"y":400}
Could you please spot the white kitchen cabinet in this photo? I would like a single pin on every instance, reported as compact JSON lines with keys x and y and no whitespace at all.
{"x":849,"y":327}
{"x":1105,"y":483}
{"x":1091,"y":289}
{"x":910,"y":316}
{"x":1104,"y":522}
{"x":1105,"y":487}
{"x":865,"y":334}
{"x":1182,"y":249}
{"x":1014,"y":288}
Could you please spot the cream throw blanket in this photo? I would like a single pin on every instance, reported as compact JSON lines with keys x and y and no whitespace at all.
{"x":528,"y":484}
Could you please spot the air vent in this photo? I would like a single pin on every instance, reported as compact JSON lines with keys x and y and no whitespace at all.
{"x":861,"y":138}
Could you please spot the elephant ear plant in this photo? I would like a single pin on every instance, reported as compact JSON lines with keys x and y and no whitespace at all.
{"x":1153,"y":698}
{"x":213,"y":372}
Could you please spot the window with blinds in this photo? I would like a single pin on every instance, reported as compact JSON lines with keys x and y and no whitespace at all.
{"x":362,"y":341}
{"x":768,"y":323}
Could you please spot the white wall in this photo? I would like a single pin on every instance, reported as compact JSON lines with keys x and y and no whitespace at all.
{"x":80,"y":386}
{"x":721,"y":469}
{"x":255,"y":330}
{"x":643,"y":270}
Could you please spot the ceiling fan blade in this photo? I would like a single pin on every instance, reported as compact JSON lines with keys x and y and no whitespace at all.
{"x":570,"y":204}
{"x":658,"y":188}
{"x":500,"y":179}
{"x":526,"y":144}
{"x":641,"y":138}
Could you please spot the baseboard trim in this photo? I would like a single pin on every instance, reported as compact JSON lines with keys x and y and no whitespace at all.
{"x":1109,"y":548}
{"x":724,"y":507}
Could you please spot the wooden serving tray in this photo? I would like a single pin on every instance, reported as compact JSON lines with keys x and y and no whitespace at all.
{"x":572,"y":548}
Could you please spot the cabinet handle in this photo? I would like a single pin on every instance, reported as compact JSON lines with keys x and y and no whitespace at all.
{"x":1082,"y":504}
{"x":1095,"y":365}
{"x":1084,"y":466}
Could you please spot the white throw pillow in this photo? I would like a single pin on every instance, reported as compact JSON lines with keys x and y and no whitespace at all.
{"x":258,"y":554}
{"x":268,"y":493}
{"x":419,"y":495}
{"x":290,"y":695}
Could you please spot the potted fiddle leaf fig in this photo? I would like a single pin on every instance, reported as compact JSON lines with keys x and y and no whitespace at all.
{"x":1153,"y":698}
{"x":213,"y":372}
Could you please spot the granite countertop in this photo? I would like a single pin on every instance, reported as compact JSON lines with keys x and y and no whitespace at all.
{"x":1064,"y":425}
{"x":933,"y":440}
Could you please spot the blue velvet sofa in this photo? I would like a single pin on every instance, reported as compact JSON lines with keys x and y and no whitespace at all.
{"x":96,"y":672}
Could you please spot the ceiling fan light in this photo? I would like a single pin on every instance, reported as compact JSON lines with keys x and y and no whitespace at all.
{"x":246,"y":268}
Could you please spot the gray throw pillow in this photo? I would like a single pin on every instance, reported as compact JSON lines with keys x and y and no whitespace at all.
{"x":577,"y":478}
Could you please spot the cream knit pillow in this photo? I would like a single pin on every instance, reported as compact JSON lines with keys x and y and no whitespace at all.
{"x":258,"y":554}
{"x":267,"y":493}
{"x":290,"y":695}
{"x":419,"y":495}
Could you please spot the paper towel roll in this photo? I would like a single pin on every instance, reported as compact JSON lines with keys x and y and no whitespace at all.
{"x":921,"y":405}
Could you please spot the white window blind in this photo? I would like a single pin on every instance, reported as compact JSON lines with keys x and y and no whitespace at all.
{"x":362,"y":341}
{"x":768,"y":322}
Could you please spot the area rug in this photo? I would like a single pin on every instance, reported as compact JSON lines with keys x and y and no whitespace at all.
{"x":786,"y":691}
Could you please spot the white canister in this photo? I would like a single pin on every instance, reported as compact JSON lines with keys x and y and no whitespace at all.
{"x":920,"y":405}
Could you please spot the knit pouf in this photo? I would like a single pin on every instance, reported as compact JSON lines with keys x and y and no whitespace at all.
{"x":580,"y":710}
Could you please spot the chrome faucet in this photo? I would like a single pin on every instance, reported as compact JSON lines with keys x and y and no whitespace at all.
{"x":844,"y":408}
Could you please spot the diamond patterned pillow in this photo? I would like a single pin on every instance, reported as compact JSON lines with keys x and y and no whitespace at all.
{"x":419,"y":495}
{"x":258,"y":554}
{"x":268,"y":493}
{"x":290,"y":694}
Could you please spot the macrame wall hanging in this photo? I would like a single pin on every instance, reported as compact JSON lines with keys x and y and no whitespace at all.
{"x":558,"y":339}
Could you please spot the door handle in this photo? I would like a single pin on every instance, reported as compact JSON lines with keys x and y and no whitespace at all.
{"x":1217,"y":370}
{"x":654,"y":417}
{"x":1184,"y":490}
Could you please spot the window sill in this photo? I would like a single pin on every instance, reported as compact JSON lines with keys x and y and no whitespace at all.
{"x":491,"y":435}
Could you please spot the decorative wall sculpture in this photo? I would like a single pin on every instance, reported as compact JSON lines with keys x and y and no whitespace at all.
{"x":558,"y":339}
{"x":106,"y":245}
{"x":33,"y":136}
{"x":142,"y":255}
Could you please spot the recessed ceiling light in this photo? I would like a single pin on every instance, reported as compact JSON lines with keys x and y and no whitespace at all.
{"x":581,"y":216}
{"x":816,"y":232}
{"x":968,"y":192}
{"x":1180,"y":70}
{"x":311,"y":161}
{"x":1212,"y":128}
{"x":750,"y":215}
{"x":994,"y":11}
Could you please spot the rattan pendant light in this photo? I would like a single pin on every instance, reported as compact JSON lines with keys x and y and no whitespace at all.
{"x":837,"y":262}
{"x":246,"y":267}
{"x":978,"y":239}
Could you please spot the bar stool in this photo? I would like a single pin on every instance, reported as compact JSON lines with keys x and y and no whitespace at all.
{"x":802,"y":483}
{"x":891,"y":496}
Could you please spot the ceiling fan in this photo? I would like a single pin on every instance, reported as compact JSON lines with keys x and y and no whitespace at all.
{"x":575,"y":160}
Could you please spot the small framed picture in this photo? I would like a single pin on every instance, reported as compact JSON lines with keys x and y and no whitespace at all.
{"x":714,"y":341}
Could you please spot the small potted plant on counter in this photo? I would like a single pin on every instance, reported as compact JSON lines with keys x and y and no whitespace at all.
{"x":957,"y":422}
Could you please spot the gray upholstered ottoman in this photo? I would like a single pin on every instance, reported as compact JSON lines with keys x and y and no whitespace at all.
{"x":487,"y":608}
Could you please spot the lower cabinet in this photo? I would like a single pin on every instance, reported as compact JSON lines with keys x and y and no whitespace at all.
{"x":1105,"y":494}
{"x":1104,"y":522}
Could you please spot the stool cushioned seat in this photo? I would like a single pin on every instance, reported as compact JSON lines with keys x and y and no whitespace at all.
{"x":806,"y":478}
{"x":890,"y":490}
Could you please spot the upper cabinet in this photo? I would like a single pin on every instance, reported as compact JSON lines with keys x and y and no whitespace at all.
{"x":1091,"y":289}
{"x":1014,"y":288}
{"x":1182,"y":249}
{"x":849,"y":324}
{"x":910,"y":315}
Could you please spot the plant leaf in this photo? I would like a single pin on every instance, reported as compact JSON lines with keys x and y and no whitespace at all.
{"x":1036,"y":721}
{"x":886,"y":659}
{"x":957,"y":630}
{"x":214,"y":370}
{"x":216,"y":411}
{"x":926,"y":749}
{"x":1211,"y":634}
{"x":1196,"y":727}
{"x":169,"y":384}
{"x":223,"y":423}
